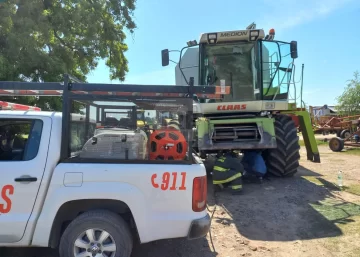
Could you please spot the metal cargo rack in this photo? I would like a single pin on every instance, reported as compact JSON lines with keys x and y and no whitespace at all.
{"x":17,"y":107}
{"x":72,"y":89}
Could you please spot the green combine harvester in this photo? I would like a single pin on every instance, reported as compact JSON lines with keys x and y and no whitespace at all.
{"x":252,"y":108}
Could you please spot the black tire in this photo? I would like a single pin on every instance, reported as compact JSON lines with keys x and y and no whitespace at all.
{"x":345,"y":133}
{"x":283,"y":161}
{"x":338,"y":133}
{"x":336,"y":144}
{"x":98,"y":219}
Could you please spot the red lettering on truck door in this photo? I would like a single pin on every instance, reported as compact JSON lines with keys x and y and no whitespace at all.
{"x":183,"y":180}
{"x":6,"y":191}
{"x":154,"y":184}
{"x":169,"y":181}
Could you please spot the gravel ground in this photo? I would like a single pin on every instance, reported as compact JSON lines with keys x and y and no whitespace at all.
{"x":294,"y":217}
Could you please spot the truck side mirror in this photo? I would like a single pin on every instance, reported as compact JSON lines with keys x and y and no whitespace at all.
{"x":165,"y":57}
{"x":293,"y":49}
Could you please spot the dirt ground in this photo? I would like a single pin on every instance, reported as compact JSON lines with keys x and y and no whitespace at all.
{"x":306,"y":215}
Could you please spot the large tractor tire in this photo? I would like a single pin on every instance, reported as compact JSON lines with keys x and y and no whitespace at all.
{"x":283,"y":161}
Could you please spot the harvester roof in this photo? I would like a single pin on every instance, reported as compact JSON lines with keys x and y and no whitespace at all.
{"x":235,"y":35}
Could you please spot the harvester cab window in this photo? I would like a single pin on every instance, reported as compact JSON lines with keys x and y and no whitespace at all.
{"x":277,"y":70}
{"x":233,"y":63}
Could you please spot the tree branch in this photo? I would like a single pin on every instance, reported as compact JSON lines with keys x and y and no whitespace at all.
{"x":62,"y":41}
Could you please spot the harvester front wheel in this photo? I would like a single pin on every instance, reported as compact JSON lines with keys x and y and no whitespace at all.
{"x":283,"y":161}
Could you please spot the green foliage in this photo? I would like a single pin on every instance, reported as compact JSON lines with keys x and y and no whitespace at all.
{"x":349,"y":101}
{"x":40,"y":40}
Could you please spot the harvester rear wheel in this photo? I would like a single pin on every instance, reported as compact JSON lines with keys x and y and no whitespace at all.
{"x":283,"y":161}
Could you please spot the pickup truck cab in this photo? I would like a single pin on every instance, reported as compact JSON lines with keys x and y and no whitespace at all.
{"x":86,"y":207}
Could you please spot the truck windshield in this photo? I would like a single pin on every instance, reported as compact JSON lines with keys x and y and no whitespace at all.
{"x":232,"y":65}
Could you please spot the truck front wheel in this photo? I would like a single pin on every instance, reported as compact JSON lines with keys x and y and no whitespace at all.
{"x":283,"y":161}
{"x":97,"y":233}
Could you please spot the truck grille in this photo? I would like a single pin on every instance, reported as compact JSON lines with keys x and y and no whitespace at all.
{"x":235,"y":132}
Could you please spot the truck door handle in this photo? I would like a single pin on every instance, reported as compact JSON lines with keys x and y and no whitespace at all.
{"x":26,"y":179}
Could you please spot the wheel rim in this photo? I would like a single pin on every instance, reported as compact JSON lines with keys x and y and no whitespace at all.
{"x":94,"y":243}
{"x":347,"y":134}
{"x":334,"y":144}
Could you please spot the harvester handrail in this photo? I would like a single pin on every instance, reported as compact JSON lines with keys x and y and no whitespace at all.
{"x":288,"y":84}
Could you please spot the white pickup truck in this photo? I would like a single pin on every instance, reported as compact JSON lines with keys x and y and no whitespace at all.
{"x":88,"y":209}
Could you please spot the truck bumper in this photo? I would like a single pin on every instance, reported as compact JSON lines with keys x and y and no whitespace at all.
{"x":199,"y":228}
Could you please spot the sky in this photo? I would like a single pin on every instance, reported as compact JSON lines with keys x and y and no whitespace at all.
{"x":327,"y":32}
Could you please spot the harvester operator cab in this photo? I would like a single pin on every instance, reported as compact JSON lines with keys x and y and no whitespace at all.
{"x":253,"y":66}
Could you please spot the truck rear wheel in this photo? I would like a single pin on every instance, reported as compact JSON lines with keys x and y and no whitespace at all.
{"x":283,"y":161}
{"x":97,"y":233}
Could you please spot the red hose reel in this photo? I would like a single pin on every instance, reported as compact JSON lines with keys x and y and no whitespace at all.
{"x":167,"y":144}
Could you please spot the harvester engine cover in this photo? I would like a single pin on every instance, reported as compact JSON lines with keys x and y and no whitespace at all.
{"x":167,"y":143}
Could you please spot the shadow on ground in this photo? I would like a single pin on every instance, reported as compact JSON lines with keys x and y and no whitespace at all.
{"x":28,"y":252}
{"x":173,"y":248}
{"x":286,"y":209}
{"x":302,"y":171}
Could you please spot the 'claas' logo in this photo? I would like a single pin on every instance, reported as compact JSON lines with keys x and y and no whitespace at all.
{"x":231,"y":107}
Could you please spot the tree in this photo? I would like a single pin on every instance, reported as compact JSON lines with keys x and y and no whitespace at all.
{"x":349,"y":100}
{"x":40,"y":40}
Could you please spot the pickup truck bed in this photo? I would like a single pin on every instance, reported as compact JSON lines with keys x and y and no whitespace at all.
{"x":45,"y":202}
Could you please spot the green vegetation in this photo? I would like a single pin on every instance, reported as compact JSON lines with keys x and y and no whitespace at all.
{"x":42,"y":40}
{"x":349,"y":101}
{"x":351,"y":150}
{"x":353,"y":189}
{"x":319,"y":181}
{"x":336,"y":210}
{"x":344,"y":214}
{"x":313,"y":180}
{"x":318,"y":142}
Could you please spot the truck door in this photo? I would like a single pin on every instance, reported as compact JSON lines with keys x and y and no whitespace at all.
{"x":24,"y":146}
